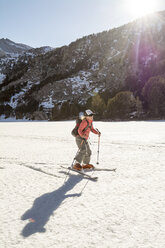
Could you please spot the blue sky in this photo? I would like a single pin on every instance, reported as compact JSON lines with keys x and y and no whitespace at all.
{"x":58,"y":22}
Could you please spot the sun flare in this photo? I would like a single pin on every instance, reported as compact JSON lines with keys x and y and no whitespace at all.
{"x":139,"y":8}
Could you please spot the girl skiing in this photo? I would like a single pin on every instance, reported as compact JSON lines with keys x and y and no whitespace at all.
{"x":84,"y":154}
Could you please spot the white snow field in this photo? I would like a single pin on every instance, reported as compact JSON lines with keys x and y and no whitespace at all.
{"x":125,"y":209}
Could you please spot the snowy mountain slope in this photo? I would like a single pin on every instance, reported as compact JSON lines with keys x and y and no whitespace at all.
{"x":10,"y":48}
{"x":12,"y":53}
{"x":122,"y":210}
{"x":9,"y":55}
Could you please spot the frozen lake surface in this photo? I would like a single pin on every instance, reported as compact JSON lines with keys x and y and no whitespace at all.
{"x":125,"y":209}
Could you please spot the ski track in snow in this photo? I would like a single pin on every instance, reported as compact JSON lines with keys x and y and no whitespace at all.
{"x":125,"y":209}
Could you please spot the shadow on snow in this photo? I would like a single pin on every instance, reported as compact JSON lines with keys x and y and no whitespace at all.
{"x":45,"y":205}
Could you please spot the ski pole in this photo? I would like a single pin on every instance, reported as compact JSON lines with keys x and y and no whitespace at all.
{"x":98,"y":148}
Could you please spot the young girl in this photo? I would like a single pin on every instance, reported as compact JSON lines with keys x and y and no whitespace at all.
{"x":84,"y":154}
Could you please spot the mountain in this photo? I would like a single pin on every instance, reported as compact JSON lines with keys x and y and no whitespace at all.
{"x":10,"y":48}
{"x":58,"y":83}
{"x":12,"y":53}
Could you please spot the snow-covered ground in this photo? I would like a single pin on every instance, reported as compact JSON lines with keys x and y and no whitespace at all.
{"x":125,"y":209}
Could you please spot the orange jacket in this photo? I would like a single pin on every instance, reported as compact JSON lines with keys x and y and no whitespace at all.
{"x":83,"y":125}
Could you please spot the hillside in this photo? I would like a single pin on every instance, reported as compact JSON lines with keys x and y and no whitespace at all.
{"x":91,"y":71}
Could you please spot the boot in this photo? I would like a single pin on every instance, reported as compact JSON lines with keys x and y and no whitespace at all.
{"x":88,"y":167}
{"x":77,"y":166}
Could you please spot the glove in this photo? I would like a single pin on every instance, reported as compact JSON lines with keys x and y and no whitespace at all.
{"x":98,"y":132}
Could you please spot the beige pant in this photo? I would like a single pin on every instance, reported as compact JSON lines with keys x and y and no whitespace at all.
{"x":84,"y":153}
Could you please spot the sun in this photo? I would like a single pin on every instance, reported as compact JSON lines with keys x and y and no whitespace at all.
{"x":139,"y":8}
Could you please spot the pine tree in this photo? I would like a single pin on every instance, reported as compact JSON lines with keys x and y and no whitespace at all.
{"x":98,"y":104}
{"x":154,"y":95}
{"x":121,"y":105}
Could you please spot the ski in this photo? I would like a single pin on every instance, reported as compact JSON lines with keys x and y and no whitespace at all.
{"x":99,"y":169}
{"x":81,"y":173}
{"x":96,"y":169}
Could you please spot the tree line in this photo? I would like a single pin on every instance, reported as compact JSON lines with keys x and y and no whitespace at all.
{"x":150,"y":103}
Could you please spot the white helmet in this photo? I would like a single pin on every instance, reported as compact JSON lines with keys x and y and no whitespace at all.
{"x":89,"y":112}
